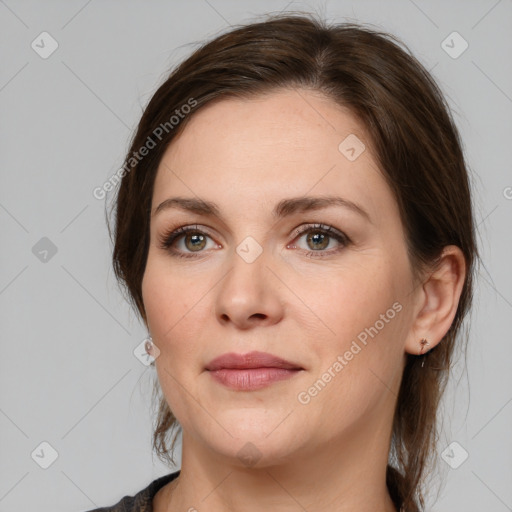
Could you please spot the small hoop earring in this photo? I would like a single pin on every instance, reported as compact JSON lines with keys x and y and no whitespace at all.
{"x":148,"y":345}
{"x":151,"y":349}
{"x":424,"y":343}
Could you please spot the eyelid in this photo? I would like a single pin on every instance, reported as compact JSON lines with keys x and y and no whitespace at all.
{"x":170,"y":235}
{"x":321,"y":227}
{"x":167,"y":239}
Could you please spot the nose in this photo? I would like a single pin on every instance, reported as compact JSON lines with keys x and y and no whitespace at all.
{"x":249,"y":294}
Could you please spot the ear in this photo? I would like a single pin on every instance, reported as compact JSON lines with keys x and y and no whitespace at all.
{"x":437,"y":301}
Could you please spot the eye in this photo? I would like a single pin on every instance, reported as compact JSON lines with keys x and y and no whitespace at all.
{"x":318,"y":238}
{"x":193,"y":238}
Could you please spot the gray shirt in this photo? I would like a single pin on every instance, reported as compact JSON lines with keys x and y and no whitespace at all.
{"x":143,"y":500}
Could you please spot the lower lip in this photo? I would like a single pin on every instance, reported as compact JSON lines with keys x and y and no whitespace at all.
{"x":250,"y":379}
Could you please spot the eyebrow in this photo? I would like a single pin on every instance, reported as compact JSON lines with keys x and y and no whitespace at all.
{"x":284,"y":208}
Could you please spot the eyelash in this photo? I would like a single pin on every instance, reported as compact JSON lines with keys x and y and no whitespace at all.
{"x":168,"y":238}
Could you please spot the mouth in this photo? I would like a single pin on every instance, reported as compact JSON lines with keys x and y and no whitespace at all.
{"x":252,"y":371}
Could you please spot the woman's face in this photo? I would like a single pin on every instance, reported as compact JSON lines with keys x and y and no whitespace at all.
{"x":245,"y":279}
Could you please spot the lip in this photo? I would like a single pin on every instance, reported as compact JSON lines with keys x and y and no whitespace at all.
{"x":251,"y":371}
{"x":250,"y":360}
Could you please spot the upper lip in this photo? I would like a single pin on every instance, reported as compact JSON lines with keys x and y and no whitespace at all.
{"x":255,"y":359}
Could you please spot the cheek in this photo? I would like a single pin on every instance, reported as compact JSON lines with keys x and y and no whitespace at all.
{"x":167,"y":295}
{"x":357,"y":366}
{"x":176,"y":314}
{"x":172,"y":309}
{"x":362,"y":317}
{"x":341,"y":303}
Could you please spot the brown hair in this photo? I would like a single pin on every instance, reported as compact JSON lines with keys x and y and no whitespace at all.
{"x":414,"y":140}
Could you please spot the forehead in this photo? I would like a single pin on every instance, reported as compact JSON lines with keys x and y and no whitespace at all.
{"x":245,"y":152}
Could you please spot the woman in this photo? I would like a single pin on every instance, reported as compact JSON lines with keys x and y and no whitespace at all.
{"x":294,"y":226}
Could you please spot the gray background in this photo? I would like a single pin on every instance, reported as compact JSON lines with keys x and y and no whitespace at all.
{"x":69,"y":376}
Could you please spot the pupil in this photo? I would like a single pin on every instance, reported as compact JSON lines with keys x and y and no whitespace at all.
{"x":318,"y":237}
{"x":196,"y":238}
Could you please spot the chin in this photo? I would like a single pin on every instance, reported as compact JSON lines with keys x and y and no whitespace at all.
{"x":254,"y":453}
{"x":256,"y":437}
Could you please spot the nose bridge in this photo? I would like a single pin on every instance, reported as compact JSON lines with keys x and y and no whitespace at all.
{"x":248,"y":289}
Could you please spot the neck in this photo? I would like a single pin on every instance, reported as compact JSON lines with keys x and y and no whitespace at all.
{"x":346,"y":474}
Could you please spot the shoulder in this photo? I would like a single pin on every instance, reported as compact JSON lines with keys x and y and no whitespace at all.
{"x":127,"y":504}
{"x":142,"y":500}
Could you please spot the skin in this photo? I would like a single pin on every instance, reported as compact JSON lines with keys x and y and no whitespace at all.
{"x":331,"y":453}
